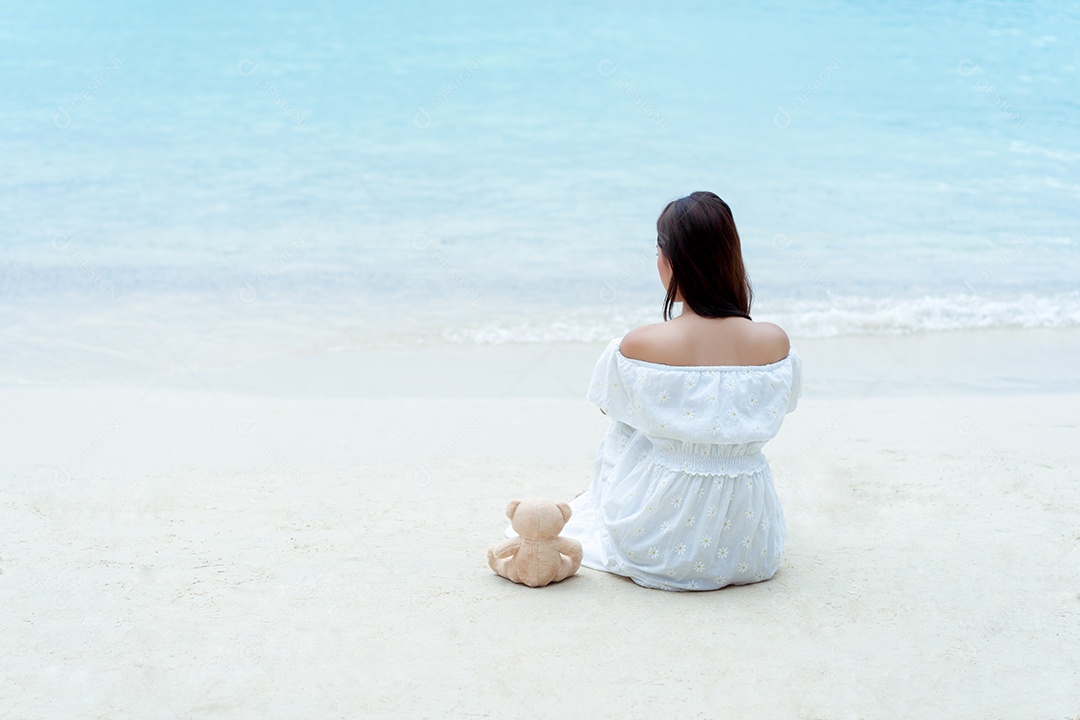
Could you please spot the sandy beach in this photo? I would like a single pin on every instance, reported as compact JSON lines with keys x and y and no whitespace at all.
{"x":221,"y":551}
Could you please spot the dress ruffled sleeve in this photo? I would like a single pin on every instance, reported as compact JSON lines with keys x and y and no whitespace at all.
{"x":607,"y":389}
{"x":796,"y":380}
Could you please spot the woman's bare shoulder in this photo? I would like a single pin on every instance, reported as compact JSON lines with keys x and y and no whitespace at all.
{"x":647,"y":343}
{"x":772,"y":343}
{"x":733,"y":342}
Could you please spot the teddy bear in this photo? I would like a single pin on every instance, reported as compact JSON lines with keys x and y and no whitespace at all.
{"x":538,"y":556}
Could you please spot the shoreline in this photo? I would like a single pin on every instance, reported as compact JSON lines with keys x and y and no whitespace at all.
{"x":1005,"y":361}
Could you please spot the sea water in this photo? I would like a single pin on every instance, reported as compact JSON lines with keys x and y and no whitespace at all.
{"x":197,"y":185}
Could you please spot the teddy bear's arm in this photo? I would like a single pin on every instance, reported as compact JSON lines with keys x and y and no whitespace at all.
{"x":506,"y":548}
{"x":569,"y":547}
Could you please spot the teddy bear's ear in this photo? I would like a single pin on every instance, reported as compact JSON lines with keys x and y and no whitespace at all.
{"x":565,"y":510}
{"x":511,"y":507}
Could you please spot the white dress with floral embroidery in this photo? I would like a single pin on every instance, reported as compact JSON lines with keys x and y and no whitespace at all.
{"x":682,"y":497}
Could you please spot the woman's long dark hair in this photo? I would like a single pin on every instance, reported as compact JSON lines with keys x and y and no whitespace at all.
{"x":697,"y":235}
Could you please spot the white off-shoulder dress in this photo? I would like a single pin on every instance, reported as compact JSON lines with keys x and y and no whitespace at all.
{"x":682,"y":497}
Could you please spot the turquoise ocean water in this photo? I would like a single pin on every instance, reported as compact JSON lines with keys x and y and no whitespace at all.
{"x":196,"y":185}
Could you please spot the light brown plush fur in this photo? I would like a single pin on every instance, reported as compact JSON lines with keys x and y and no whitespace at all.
{"x":539,"y":556}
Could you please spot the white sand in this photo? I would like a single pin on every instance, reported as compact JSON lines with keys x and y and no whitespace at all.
{"x":236,"y":555}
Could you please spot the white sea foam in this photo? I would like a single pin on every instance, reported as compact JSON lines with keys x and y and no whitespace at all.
{"x":928,"y":313}
{"x":838,"y":316}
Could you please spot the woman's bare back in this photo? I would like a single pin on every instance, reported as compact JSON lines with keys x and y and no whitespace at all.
{"x":691,"y":340}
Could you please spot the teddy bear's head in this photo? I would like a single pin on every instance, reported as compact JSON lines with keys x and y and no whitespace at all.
{"x":538,"y":518}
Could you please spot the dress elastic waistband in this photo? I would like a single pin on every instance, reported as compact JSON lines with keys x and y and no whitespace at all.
{"x":705,"y":463}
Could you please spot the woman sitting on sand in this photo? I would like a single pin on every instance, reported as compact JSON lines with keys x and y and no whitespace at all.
{"x":682,"y":497}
